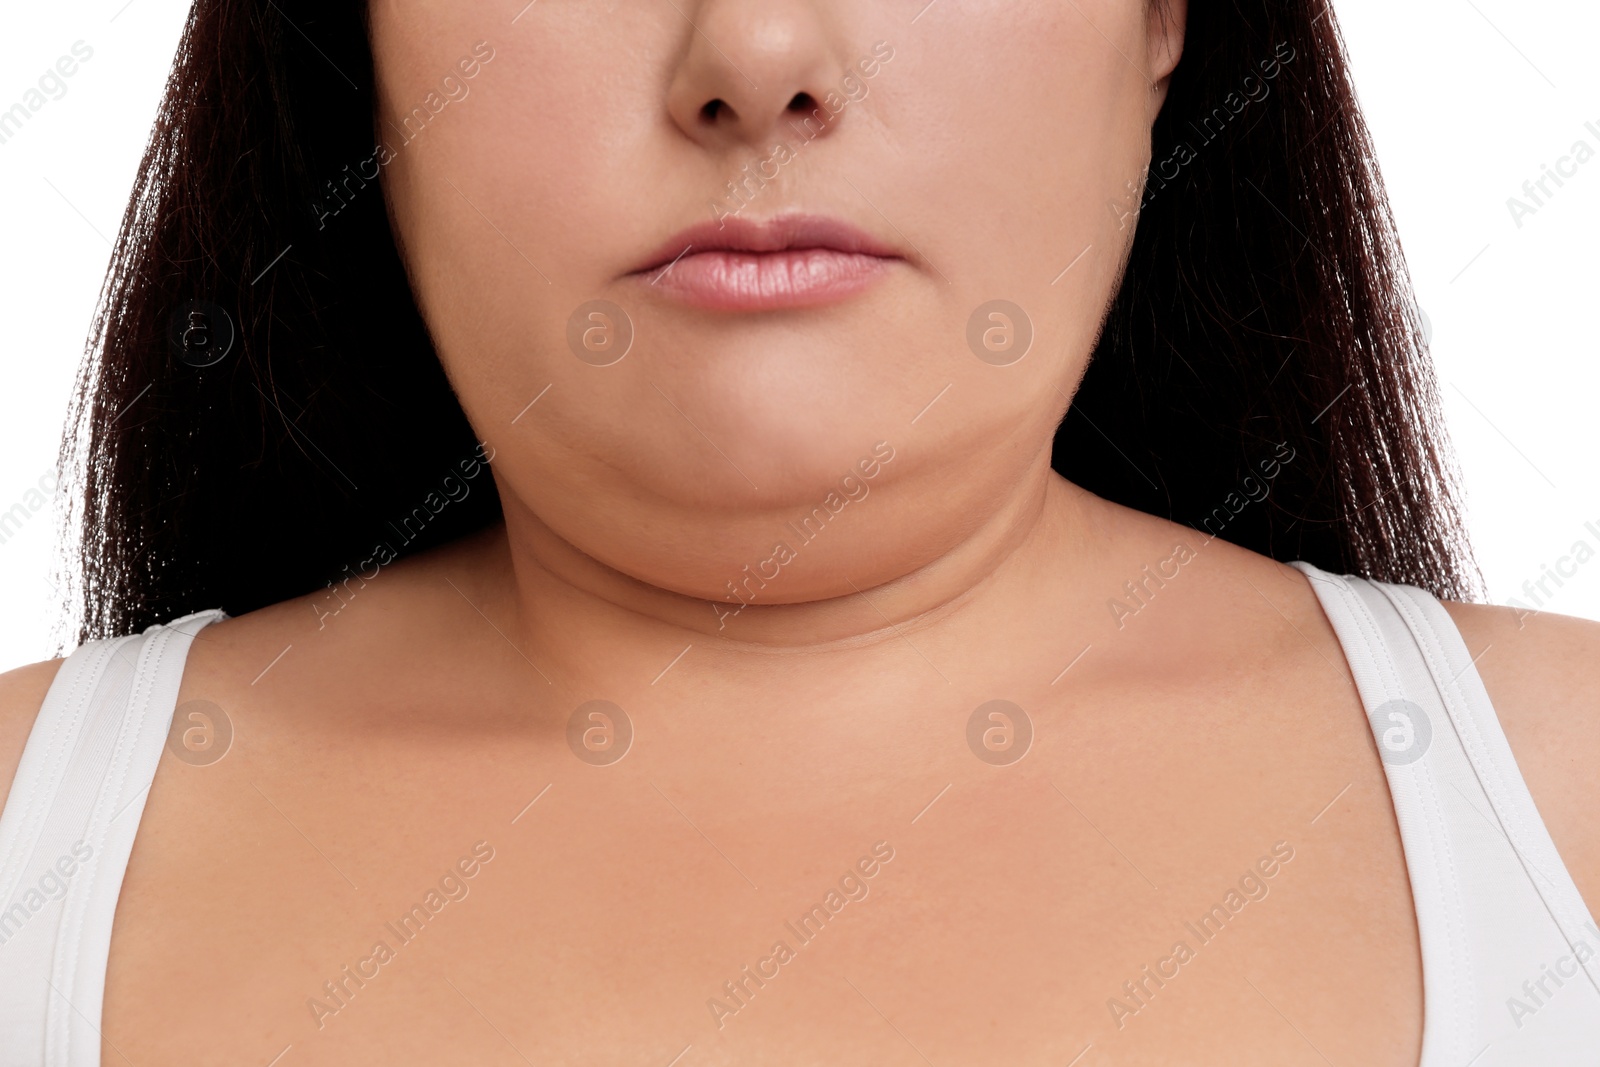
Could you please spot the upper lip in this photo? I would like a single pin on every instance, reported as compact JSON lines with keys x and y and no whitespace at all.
{"x":778,"y":234}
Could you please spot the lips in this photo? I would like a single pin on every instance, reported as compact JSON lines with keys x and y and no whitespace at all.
{"x":791,"y":261}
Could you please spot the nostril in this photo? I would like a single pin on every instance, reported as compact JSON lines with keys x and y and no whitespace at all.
{"x":712,"y":110}
{"x":803,"y":102}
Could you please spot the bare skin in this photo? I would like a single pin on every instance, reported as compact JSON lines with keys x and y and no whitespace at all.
{"x":1215,"y":724}
{"x":1214,"y":733}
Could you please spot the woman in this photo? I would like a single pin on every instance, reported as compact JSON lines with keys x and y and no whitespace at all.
{"x":673,"y":614}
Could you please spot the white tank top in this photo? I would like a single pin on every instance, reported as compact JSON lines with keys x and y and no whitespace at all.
{"x":1510,"y":974}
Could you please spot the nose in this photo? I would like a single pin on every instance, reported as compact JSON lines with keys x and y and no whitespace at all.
{"x":749,"y":65}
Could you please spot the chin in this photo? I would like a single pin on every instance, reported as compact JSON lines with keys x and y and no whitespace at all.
{"x":767,"y":446}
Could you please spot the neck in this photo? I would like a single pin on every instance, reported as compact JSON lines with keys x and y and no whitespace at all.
{"x":984,"y":574}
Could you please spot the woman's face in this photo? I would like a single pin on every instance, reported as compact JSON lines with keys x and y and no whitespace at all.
{"x":825,"y":232}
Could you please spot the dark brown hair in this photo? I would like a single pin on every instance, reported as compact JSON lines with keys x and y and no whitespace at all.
{"x":1265,"y":311}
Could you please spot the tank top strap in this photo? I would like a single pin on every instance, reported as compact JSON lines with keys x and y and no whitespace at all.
{"x":1505,"y":935}
{"x":67,"y":830}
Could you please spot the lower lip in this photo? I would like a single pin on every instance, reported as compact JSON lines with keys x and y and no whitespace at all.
{"x":767,"y":281}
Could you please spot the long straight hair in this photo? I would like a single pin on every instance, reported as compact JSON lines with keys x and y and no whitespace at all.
{"x":261,"y":398}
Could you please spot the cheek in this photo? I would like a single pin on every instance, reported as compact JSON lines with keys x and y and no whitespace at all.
{"x":515,"y":204}
{"x":548,"y":146}
{"x":1023,"y":140}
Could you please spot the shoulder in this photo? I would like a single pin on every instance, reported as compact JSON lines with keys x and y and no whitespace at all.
{"x":1542,"y":673}
{"x":22,"y":692}
{"x":357,"y":639}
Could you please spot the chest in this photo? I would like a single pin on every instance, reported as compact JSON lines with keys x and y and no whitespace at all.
{"x":1148,"y":886}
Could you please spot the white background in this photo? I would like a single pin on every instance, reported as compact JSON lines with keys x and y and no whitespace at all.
{"x":1467,"y":99}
